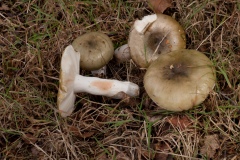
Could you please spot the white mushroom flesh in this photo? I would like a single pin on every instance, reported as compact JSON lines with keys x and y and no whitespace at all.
{"x":141,"y":25}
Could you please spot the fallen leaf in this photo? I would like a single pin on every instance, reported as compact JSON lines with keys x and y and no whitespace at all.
{"x":4,"y":7}
{"x":29,"y":138}
{"x":162,"y":156}
{"x":1,"y":23}
{"x":179,"y":122}
{"x":235,"y":157}
{"x":87,"y":134}
{"x":37,"y":153}
{"x":162,"y":149}
{"x":211,"y":144}
{"x":159,"y":6}
{"x":147,"y":154}
{"x":122,"y":156}
{"x":76,"y":132}
{"x":238,"y":89}
{"x":101,"y":118}
{"x":102,"y":156}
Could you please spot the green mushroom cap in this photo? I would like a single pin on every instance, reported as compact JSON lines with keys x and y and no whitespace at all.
{"x":96,"y":50}
{"x":179,"y":80}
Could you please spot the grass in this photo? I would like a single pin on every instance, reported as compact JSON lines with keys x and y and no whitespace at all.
{"x":32,"y":38}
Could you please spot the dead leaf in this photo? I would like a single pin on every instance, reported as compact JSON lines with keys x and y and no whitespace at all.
{"x":37,"y":153}
{"x":162,"y":149}
{"x":87,"y":134}
{"x":102,"y":118}
{"x":102,"y":156}
{"x":211,"y":144}
{"x":159,"y":6}
{"x":122,"y":156}
{"x":238,"y":89}
{"x":235,"y":157}
{"x":4,"y":7}
{"x":179,"y":122}
{"x":147,"y":154}
{"x":162,"y":156}
{"x":76,"y":132}
{"x":29,"y":138}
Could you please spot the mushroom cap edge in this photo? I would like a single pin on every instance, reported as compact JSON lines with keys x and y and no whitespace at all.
{"x":69,"y":68}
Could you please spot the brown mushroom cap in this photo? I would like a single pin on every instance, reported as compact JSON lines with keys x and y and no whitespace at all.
{"x":96,"y":50}
{"x":180,"y":79}
{"x":161,"y":36}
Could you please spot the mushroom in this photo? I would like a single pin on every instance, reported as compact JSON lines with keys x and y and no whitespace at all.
{"x":100,"y":72}
{"x":71,"y":83}
{"x":179,"y":80}
{"x":96,"y":50}
{"x":122,"y":53}
{"x":154,"y":35}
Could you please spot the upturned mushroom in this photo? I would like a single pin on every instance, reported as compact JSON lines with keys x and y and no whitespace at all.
{"x":179,"y":80}
{"x":96,"y":50}
{"x":122,"y":53}
{"x":71,"y":82}
{"x":154,"y":35}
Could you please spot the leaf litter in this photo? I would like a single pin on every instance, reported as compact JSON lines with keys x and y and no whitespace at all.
{"x":211,"y":144}
{"x":159,"y":6}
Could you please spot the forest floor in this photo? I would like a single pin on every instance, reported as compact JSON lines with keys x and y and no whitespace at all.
{"x":33,"y":35}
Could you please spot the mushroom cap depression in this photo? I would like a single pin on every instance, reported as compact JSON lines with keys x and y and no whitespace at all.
{"x":69,"y":69}
{"x":154,"y":35}
{"x":179,"y":80}
{"x":96,"y":50}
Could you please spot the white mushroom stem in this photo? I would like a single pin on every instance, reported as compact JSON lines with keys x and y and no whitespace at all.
{"x":122,"y":53}
{"x":110,"y":88}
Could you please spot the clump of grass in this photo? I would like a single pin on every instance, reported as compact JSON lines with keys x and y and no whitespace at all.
{"x":33,"y":36}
